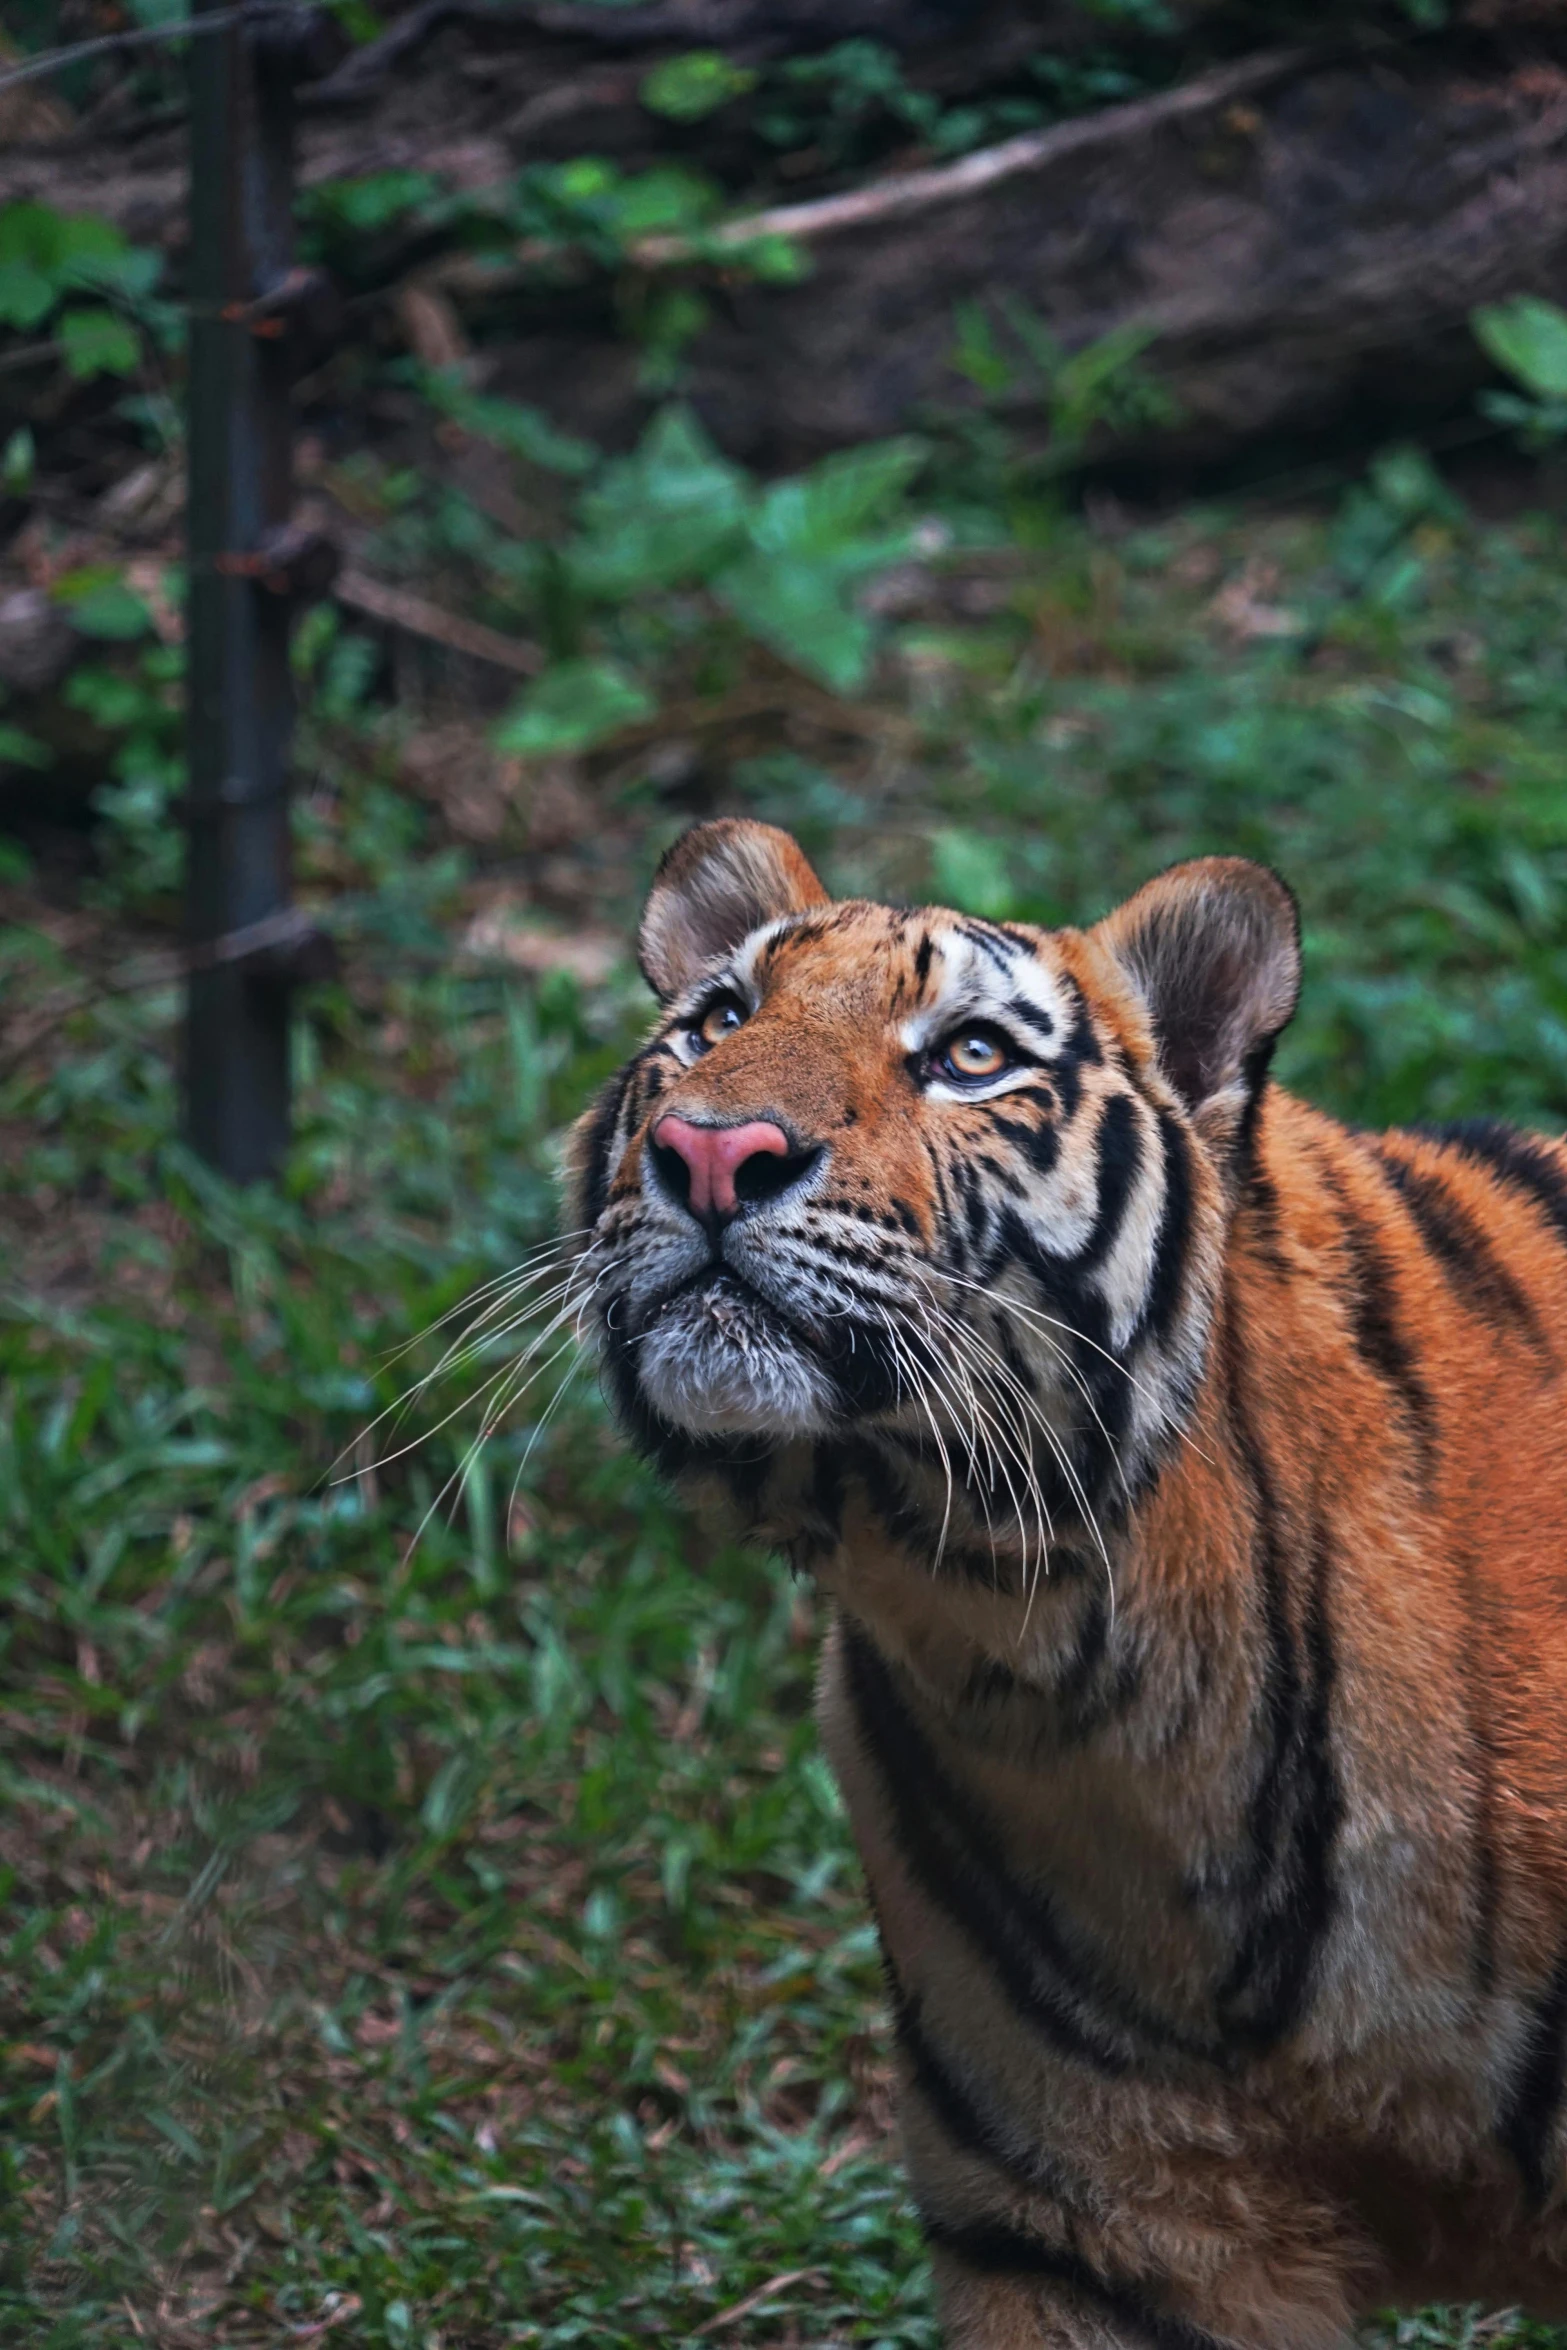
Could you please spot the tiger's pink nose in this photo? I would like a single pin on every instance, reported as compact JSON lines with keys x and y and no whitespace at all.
{"x":714,"y":1155}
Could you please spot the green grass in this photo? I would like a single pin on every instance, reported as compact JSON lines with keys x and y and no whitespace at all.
{"x":456,"y":1940}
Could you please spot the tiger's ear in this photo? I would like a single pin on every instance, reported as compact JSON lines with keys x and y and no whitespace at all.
{"x":713,"y":888}
{"x":1213,"y":949}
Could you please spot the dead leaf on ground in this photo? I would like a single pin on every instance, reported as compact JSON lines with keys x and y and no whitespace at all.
{"x":1243,"y":612}
{"x":429,"y":321}
{"x":504,"y":933}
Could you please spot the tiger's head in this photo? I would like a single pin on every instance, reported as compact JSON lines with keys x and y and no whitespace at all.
{"x":937,"y":1200}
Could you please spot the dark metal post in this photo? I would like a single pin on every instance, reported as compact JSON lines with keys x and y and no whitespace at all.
{"x":246,"y":568}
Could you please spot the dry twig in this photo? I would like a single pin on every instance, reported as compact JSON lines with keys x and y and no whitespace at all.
{"x":401,"y":609}
{"x":903,"y":193}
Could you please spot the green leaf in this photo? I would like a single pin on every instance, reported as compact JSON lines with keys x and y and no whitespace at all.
{"x":33,"y":233}
{"x":45,"y":254}
{"x":98,"y":343}
{"x":685,"y":89}
{"x":1105,"y":384}
{"x":671,"y":511}
{"x":971,"y":871}
{"x":823,"y":512}
{"x":27,"y":295}
{"x":131,"y":272}
{"x":109,"y":609}
{"x":796,"y":607}
{"x":977,"y":355}
{"x":1409,"y":485}
{"x":17,"y":462}
{"x":663,"y":202}
{"x":377,"y":201}
{"x":573,"y":706}
{"x":18,"y":749}
{"x":811,"y":539}
{"x":511,"y":425}
{"x":772,"y":259}
{"x":1527,"y":338}
{"x":584,"y":180}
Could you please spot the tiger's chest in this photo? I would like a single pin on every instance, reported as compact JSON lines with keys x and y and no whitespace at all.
{"x":1137,"y":1874}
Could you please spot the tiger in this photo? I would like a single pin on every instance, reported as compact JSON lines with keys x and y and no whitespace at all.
{"x":1184,"y":1474}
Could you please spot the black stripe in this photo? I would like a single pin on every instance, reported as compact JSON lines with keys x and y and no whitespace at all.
{"x":1279,"y":1696}
{"x":1031,"y":1016}
{"x":1523,"y":1159}
{"x":1175,"y":1225}
{"x":1372,"y":1303}
{"x":1119,"y":1149}
{"x":1259,"y":1223}
{"x":952,"y":1854}
{"x":1001,"y":1174}
{"x":951,"y":1849}
{"x":1080,"y":1050}
{"x":1086,"y":1338}
{"x":1254,"y":1077}
{"x":1529,"y":2118}
{"x":606,"y":1117}
{"x":976,"y":1205}
{"x":957,"y":2107}
{"x":746,"y":1483}
{"x":938,"y":1177}
{"x":1297,"y":1805}
{"x":1461,"y":1247}
{"x":1093,"y":1687}
{"x":922,"y":956}
{"x":905,"y":1523}
{"x":994,"y":2250}
{"x":1039,"y":1145}
{"x":1000,"y":952}
{"x":820,"y":1527}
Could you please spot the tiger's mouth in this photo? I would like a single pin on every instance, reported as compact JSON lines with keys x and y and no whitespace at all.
{"x":716,"y":1357}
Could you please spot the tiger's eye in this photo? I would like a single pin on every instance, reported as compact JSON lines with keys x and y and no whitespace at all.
{"x":974,"y":1053}
{"x":717,"y":1022}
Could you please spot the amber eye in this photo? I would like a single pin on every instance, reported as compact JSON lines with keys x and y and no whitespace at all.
{"x":718,"y":1021}
{"x":972,"y":1054}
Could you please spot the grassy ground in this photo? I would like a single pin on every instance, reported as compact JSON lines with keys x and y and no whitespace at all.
{"x":455,"y":1940}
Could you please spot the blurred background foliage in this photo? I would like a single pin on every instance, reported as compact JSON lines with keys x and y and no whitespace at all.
{"x":425,"y":1918}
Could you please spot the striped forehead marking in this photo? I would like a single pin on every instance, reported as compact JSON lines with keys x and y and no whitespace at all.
{"x":985,"y":974}
{"x":957,"y":966}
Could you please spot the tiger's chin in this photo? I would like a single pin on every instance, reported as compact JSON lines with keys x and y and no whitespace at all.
{"x":718,"y":1362}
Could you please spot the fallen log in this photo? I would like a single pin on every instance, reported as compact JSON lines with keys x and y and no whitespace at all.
{"x":1300,"y":237}
{"x":1300,"y":240}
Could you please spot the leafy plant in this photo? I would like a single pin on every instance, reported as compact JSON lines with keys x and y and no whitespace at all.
{"x":137,"y":702}
{"x":1101,"y":387}
{"x":575,"y":705}
{"x":690,"y":87}
{"x":839,"y":101}
{"x":78,"y":278}
{"x":587,"y":205}
{"x":781,"y":559}
{"x":1527,"y":339}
